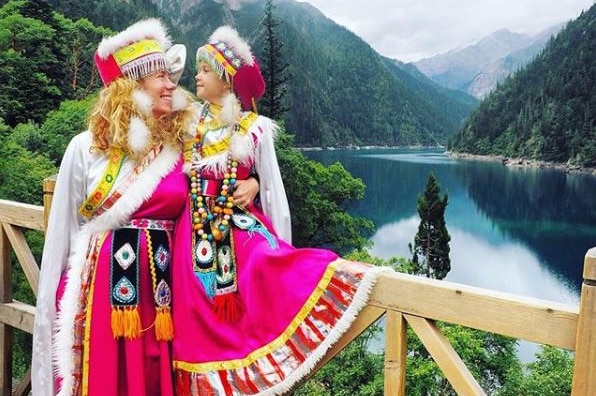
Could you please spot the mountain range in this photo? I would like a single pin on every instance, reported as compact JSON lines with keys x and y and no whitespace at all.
{"x":478,"y":68}
{"x":340,"y":91}
{"x":545,"y":111}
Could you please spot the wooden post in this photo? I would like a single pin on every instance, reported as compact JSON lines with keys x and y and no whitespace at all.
{"x":584,"y":378}
{"x":48,"y":193}
{"x":396,"y":349}
{"x":5,"y":330}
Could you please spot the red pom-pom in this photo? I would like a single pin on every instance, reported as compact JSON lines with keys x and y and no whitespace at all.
{"x":249,"y":85}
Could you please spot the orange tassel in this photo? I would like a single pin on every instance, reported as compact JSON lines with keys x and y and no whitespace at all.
{"x":164,"y":327}
{"x":132,"y":320}
{"x":126,"y":322}
{"x":117,"y":322}
{"x":227,"y":307}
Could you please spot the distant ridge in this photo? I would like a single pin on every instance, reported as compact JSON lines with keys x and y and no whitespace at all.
{"x":341,"y":92}
{"x":546,"y":111}
{"x":478,"y":68}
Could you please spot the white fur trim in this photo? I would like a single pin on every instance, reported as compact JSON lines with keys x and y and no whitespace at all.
{"x":230,"y":109}
{"x":230,"y":36}
{"x":360,"y":300}
{"x":138,"y":135}
{"x":179,"y":100}
{"x":151,"y":28}
{"x":142,"y":101}
{"x":242,"y":146}
{"x":137,"y":193}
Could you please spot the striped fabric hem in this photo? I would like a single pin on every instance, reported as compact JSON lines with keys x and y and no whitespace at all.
{"x":278,"y":366}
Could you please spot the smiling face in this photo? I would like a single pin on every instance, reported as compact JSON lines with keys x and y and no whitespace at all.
{"x":160,"y":88}
{"x":210,"y":87}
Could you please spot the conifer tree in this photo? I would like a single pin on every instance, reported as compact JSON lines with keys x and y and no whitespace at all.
{"x":431,"y":244}
{"x":273,"y":67}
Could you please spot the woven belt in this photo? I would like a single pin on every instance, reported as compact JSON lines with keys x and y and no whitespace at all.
{"x":151,"y":224}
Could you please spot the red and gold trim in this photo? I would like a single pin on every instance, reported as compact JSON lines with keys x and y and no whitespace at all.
{"x":272,"y":364}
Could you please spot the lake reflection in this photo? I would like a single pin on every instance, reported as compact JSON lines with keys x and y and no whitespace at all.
{"x":517,"y":230}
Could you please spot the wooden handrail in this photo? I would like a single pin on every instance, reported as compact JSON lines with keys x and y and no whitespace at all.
{"x":404,"y":299}
{"x":584,"y":378}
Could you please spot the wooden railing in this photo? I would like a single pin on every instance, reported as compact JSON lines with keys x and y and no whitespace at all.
{"x":406,"y":300}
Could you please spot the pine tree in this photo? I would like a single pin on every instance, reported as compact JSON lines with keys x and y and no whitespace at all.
{"x":431,"y":244}
{"x":273,"y":67}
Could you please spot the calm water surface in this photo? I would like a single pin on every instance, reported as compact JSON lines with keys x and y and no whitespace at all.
{"x":518,"y":230}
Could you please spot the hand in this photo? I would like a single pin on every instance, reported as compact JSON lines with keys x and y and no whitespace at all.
{"x":245,"y":191}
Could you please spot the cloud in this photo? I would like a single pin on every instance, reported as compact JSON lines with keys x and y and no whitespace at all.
{"x":409,"y":30}
{"x":504,"y":265}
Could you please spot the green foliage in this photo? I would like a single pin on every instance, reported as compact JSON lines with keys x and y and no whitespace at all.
{"x":549,"y":375}
{"x":545,"y":111}
{"x":23,"y":171}
{"x":354,"y":371}
{"x":45,"y":58}
{"x":319,"y":197}
{"x":431,"y":243}
{"x":63,"y":124}
{"x":273,"y":67}
{"x":29,"y":71}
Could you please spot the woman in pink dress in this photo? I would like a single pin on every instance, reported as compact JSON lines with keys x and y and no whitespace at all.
{"x":252,"y":313}
{"x":103,"y":324}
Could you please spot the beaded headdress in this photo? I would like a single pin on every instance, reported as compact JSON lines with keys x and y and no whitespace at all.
{"x":135,"y":52}
{"x":230,"y":56}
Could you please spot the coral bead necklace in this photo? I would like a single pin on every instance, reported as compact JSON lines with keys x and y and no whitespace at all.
{"x":211,"y":216}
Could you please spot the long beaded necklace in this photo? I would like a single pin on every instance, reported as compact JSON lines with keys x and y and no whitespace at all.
{"x":211,"y":217}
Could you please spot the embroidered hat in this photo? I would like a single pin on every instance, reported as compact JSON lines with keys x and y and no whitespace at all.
{"x":231,"y":57}
{"x":136,"y":52}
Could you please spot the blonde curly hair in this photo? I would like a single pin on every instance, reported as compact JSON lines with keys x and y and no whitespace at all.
{"x":109,"y":120}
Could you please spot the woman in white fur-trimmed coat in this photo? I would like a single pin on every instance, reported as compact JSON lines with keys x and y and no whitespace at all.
{"x":103,"y":324}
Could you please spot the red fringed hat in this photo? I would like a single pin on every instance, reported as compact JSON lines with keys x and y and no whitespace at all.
{"x":135,"y":52}
{"x":231,"y":57}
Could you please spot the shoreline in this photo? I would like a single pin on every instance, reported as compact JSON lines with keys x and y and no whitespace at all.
{"x":524,"y":163}
{"x":506,"y":161}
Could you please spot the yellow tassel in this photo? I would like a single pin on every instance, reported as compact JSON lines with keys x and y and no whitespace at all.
{"x":117,"y":322}
{"x":164,"y":327}
{"x":132,"y":323}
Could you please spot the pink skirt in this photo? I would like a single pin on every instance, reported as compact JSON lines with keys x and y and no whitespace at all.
{"x":294,"y":304}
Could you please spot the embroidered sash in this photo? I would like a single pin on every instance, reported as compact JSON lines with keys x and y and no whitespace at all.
{"x":100,"y":200}
{"x":100,"y":192}
{"x":124,"y":277}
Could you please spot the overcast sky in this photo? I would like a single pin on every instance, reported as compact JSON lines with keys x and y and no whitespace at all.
{"x":410,"y":30}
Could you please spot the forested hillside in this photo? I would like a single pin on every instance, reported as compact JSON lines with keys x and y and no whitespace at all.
{"x":547,"y":110}
{"x":340,"y":91}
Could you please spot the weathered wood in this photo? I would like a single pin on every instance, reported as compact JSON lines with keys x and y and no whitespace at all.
{"x":584,"y":371}
{"x":24,"y":386}
{"x":22,"y":215}
{"x":396,"y":349}
{"x":5,"y":270}
{"x":446,"y":357}
{"x":18,"y":315}
{"x":5,"y":360}
{"x":404,"y":297}
{"x":5,"y":330}
{"x":24,"y":255}
{"x":492,"y":311}
{"x":49,"y":184}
